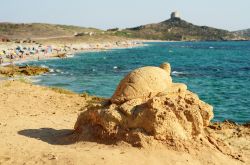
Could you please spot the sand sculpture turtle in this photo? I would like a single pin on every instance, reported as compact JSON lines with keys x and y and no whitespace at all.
{"x":147,"y":102}
{"x":145,"y":83}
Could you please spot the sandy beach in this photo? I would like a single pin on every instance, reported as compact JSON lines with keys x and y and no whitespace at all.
{"x":38,"y":120}
{"x":13,"y":53}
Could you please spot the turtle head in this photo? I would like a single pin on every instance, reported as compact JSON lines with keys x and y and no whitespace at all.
{"x":166,"y":66}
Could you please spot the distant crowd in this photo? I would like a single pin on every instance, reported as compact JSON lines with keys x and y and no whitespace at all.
{"x":39,"y":51}
{"x":22,"y":52}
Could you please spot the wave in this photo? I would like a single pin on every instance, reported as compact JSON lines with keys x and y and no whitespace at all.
{"x":60,"y":84}
{"x":70,"y":56}
{"x":44,"y":66}
{"x":58,"y":70}
{"x":176,"y":73}
{"x":35,"y":80}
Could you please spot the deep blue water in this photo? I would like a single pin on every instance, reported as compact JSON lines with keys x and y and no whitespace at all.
{"x":219,"y":72}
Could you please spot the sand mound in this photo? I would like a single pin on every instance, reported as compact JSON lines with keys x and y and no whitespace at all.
{"x":147,"y":105}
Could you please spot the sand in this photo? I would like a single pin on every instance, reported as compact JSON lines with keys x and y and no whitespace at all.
{"x":35,"y":122}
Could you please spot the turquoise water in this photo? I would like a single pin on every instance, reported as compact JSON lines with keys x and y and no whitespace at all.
{"x":219,"y":72}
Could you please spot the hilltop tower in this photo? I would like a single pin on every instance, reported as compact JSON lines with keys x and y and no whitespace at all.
{"x":175,"y":14}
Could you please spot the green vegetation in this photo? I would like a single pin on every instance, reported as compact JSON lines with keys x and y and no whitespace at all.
{"x":244,"y":33}
{"x":178,"y":30}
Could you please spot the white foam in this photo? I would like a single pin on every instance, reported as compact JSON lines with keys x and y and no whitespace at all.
{"x":70,"y":56}
{"x":36,"y":80}
{"x":176,"y":73}
{"x":44,"y":66}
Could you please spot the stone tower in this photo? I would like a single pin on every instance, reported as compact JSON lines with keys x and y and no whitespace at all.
{"x":175,"y":14}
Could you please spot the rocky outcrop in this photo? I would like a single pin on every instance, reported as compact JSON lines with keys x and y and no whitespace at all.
{"x":12,"y":70}
{"x":146,"y":106}
{"x":177,"y":29}
{"x":62,"y":55}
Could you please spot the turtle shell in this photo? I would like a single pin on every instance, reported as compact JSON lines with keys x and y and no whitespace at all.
{"x":144,"y":82}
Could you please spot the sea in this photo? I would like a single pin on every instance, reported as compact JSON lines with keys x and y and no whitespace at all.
{"x":219,"y":72}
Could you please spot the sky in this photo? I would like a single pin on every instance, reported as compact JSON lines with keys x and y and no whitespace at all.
{"x":104,"y":14}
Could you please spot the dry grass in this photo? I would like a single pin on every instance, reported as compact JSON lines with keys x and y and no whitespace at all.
{"x":40,"y":30}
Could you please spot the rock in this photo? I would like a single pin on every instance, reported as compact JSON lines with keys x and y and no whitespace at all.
{"x":12,"y":70}
{"x":146,"y":106}
{"x":62,"y":55}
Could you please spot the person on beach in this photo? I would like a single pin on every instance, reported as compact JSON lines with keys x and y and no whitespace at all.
{"x":12,"y":58}
{"x":1,"y":59}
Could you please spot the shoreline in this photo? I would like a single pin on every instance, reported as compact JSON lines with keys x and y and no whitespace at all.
{"x":40,"y":118}
{"x":81,"y":48}
{"x":72,"y":50}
